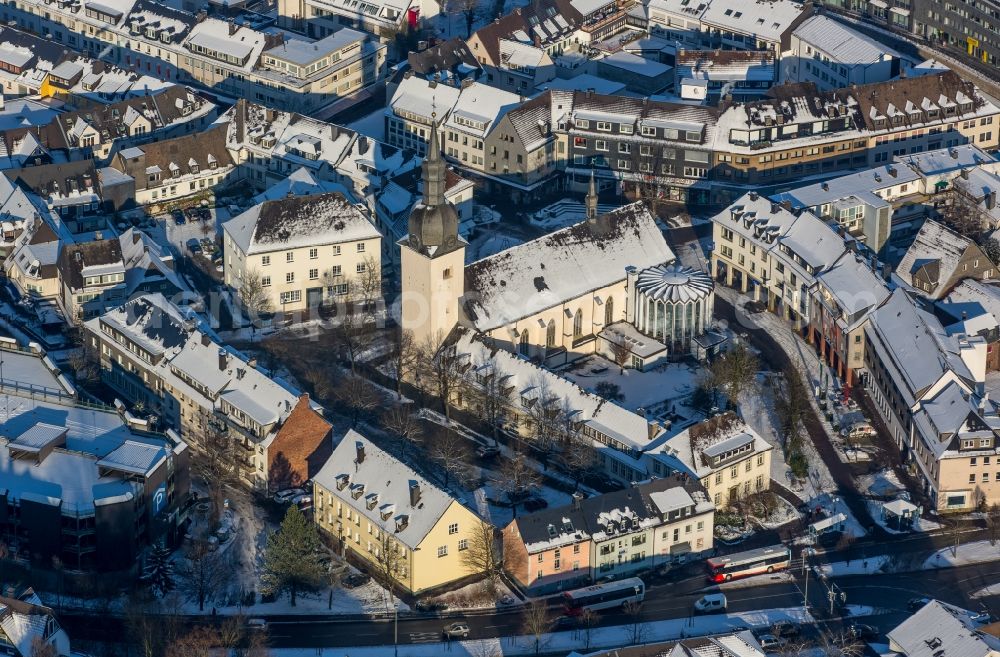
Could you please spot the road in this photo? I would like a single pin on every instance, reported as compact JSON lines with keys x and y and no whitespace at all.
{"x":888,"y":593}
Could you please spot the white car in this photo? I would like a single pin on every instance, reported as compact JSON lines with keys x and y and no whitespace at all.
{"x":257,"y":624}
{"x":713,"y":603}
{"x":287,"y":495}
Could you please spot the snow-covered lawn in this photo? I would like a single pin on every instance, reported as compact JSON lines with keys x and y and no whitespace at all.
{"x":966,"y":553}
{"x":564,"y":642}
{"x":884,"y":483}
{"x":477,"y":596}
{"x":368,"y":599}
{"x":869,"y":566}
{"x":658,"y":391}
{"x":987,"y":591}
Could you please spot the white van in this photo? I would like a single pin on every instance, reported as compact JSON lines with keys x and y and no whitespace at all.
{"x":713,"y":603}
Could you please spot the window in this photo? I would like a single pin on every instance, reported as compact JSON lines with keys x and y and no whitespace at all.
{"x":313,"y":274}
{"x":362,"y":267}
{"x":265,"y":260}
{"x":289,"y":256}
{"x":550,"y":334}
{"x":336,"y":249}
{"x":578,"y":324}
{"x":463,"y":544}
{"x":265,"y":281}
{"x":291,"y":297}
{"x":972,"y":478}
{"x":290,"y":277}
{"x":453,"y":528}
{"x":609,"y":311}
{"x":443,"y":551}
{"x":313,"y":254}
{"x":361,"y":247}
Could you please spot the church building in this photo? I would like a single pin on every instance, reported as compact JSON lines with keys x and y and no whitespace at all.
{"x":569,"y":294}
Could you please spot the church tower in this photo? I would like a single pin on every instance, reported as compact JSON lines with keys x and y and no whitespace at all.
{"x":432,"y":256}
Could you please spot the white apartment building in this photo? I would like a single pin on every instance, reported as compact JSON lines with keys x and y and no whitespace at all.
{"x":383,"y":18}
{"x":305,"y":251}
{"x":231,"y":60}
{"x":831,"y":55}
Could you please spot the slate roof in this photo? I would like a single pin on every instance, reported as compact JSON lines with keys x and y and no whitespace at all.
{"x":563,"y":265}
{"x":445,"y":56}
{"x":932,"y":258}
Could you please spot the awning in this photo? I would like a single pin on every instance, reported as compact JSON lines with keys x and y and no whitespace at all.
{"x":680,"y":548}
{"x":878,"y":3}
{"x":900,"y":11}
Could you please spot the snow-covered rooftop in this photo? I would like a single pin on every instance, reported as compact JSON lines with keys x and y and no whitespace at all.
{"x":375,"y":472}
{"x":299,"y":221}
{"x":563,"y":265}
{"x":842,"y":44}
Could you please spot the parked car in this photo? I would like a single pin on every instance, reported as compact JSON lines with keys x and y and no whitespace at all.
{"x":194,"y":246}
{"x":535,"y":504}
{"x":354,"y":580}
{"x":915,"y":604}
{"x":770,"y":642}
{"x":256,"y":624}
{"x":303,"y":501}
{"x":179,"y":218}
{"x":287,"y":495}
{"x":566,"y":623}
{"x":713,"y":603}
{"x":456,"y":631}
{"x":862,"y":632}
{"x":488,"y":452}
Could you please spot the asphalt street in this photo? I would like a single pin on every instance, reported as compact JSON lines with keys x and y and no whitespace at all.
{"x":887,"y":593}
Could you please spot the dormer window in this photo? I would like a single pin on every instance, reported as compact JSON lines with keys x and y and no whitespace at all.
{"x":342,"y":481}
{"x":357,"y":490}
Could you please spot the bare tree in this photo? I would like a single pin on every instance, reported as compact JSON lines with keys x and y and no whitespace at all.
{"x":735,"y":371}
{"x":357,"y":394}
{"x":580,"y":458}
{"x":199,"y":642}
{"x":962,"y":211}
{"x":491,"y":395}
{"x":401,"y":421}
{"x":203,"y":572}
{"x":485,"y":554}
{"x":451,"y":453}
{"x":352,"y":335}
{"x":620,"y":353}
{"x":42,"y":648}
{"x":254,"y":296}
{"x":841,"y":644}
{"x":220,"y":462}
{"x":365,"y":289}
{"x":85,"y":363}
{"x":389,"y":560}
{"x":442,"y":371}
{"x":637,"y":630}
{"x":589,"y":619}
{"x":537,"y":621}
{"x":402,"y":357}
{"x":515,"y":478}
{"x":546,"y":420}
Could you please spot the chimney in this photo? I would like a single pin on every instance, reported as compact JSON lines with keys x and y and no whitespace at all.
{"x":467,"y":82}
{"x":965,"y":315}
{"x":222,"y":360}
{"x":232,"y":27}
{"x":965,"y":174}
{"x":991,"y":199}
{"x":891,"y":170}
{"x":205,"y":340}
{"x":414,"y":494}
{"x":754,"y":196}
{"x":360,"y":447}
{"x":577,"y":499}
{"x":98,"y":236}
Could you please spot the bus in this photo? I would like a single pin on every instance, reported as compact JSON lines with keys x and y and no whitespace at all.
{"x":751,"y":562}
{"x":604,"y":596}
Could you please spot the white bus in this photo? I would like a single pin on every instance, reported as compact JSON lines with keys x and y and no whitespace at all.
{"x":604,"y":596}
{"x":751,"y":562}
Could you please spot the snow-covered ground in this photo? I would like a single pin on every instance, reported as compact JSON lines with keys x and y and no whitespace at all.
{"x":986,"y":591}
{"x":869,"y":566}
{"x":476,"y":596}
{"x":564,"y":642}
{"x":884,"y":483}
{"x":966,"y":553}
{"x":658,"y":390}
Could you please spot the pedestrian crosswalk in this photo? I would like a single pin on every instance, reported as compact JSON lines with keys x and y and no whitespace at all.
{"x":424,"y":637}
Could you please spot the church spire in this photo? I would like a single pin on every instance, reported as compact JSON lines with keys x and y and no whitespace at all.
{"x":434,"y":170}
{"x":592,"y":199}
